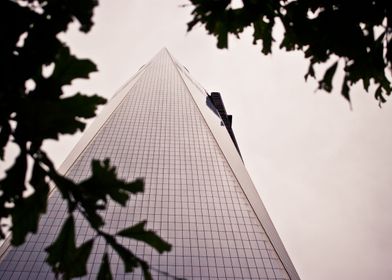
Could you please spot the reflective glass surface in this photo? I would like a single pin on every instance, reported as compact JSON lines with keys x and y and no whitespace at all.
{"x":192,"y":198}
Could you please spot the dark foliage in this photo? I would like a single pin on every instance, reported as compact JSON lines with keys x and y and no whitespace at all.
{"x":31,"y":114}
{"x":353,"y":35}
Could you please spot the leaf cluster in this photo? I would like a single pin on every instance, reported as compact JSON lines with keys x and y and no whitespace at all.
{"x":355,"y":35}
{"x":35,"y":66}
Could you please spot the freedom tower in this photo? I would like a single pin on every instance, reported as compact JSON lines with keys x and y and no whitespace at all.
{"x":163,"y":126}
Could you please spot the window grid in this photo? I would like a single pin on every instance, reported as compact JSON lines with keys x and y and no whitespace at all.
{"x":191,"y":199}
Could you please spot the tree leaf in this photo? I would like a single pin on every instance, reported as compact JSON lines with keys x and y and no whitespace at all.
{"x":13,"y":185}
{"x":149,"y":237}
{"x":27,"y":211}
{"x":41,"y":117}
{"x":64,"y":257}
{"x":326,"y":82}
{"x":12,"y":188}
{"x":78,"y":266}
{"x":62,"y":250}
{"x":68,"y":67}
{"x":129,"y":259}
{"x":104,"y":181}
{"x":378,"y":94}
{"x":83,"y":11}
{"x":5,"y":132}
{"x":146,"y":270}
{"x":104,"y":270}
{"x":310,"y":72}
{"x":320,"y":29}
{"x":346,"y":89}
{"x":263,"y":31}
{"x":222,"y":35}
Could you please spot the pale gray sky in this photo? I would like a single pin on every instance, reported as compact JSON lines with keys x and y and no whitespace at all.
{"x":323,"y":171}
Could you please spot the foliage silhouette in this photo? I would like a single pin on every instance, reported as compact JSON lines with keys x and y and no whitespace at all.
{"x":353,"y":35}
{"x":31,"y":114}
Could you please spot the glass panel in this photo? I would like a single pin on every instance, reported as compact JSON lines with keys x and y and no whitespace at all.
{"x":192,"y":198}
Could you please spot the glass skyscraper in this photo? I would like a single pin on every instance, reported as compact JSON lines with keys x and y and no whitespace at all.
{"x":163,"y":126}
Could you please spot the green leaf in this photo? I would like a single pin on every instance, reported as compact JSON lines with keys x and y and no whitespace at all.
{"x":104,"y":270}
{"x":27,"y":211}
{"x":138,"y":232}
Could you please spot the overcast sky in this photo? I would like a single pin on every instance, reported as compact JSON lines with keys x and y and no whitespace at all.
{"x":323,"y":171}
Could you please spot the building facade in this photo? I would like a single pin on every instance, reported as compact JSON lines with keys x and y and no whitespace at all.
{"x":164,"y":127}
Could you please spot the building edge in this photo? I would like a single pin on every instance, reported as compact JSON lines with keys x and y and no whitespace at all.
{"x":234,"y":159}
{"x":86,"y":138}
{"x":221,"y":136}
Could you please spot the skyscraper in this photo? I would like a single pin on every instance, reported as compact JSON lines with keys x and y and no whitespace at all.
{"x":165,"y":127}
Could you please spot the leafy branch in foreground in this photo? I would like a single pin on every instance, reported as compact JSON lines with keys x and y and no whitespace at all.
{"x":35,"y":66}
{"x":356,"y":36}
{"x":89,"y":197}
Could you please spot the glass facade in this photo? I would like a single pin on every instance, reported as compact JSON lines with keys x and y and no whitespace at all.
{"x":192,"y":197}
